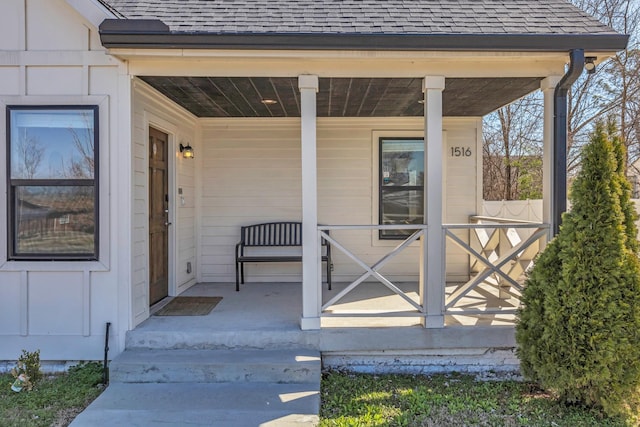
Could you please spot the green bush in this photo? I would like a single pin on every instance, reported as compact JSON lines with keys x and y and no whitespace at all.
{"x":28,"y":365}
{"x":578,"y":332}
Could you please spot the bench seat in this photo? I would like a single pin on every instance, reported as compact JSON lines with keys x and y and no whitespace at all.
{"x":274,"y":234}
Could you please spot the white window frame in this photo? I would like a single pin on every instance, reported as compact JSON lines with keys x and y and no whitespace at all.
{"x":104,"y":261}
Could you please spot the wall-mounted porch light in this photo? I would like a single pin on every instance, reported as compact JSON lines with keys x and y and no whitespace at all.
{"x":590,"y":64}
{"x":187,"y":151}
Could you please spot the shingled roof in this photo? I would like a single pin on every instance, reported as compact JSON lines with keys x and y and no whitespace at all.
{"x":364,"y":16}
{"x":517,"y":25}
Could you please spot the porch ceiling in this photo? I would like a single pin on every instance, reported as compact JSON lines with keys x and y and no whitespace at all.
{"x":337,"y":97}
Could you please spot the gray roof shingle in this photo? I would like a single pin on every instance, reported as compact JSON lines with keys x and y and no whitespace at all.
{"x":384,"y":17}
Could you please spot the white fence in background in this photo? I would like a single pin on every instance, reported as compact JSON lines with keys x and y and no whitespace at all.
{"x":526,"y":210}
{"x":523,"y":210}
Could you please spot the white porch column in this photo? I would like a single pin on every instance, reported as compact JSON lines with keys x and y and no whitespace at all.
{"x":432,"y":273}
{"x":311,"y":276}
{"x":547,"y":86}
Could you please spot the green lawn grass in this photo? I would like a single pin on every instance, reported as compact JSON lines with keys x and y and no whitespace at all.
{"x":54,"y":401}
{"x":444,"y":400}
{"x":347,"y":400}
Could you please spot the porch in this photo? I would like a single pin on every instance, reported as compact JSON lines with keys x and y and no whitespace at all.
{"x":369,"y":324}
{"x":492,"y":254}
{"x":344,"y":172}
{"x":267,"y":316}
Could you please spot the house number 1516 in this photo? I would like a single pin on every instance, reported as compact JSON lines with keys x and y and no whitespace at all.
{"x":460,"y":151}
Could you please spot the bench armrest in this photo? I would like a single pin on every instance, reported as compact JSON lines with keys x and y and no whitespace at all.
{"x":239,"y":250}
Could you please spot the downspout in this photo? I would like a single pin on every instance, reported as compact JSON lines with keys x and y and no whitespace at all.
{"x":559,"y":174}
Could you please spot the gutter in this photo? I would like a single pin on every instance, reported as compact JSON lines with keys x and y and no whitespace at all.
{"x":559,"y":155}
{"x":155,"y":34}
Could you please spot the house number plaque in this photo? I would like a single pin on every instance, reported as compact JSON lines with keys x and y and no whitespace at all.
{"x":461,"y":152}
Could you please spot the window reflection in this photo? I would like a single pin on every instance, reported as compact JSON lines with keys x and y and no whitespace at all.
{"x":51,"y":144}
{"x":55,"y":219}
{"x":401,"y":184}
{"x":52,"y":182}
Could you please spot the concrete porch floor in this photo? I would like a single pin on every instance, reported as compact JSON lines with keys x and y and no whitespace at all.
{"x":279,"y":306}
{"x":267,"y":315}
{"x":373,"y":297}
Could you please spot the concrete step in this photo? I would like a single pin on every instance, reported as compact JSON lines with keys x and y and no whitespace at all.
{"x":222,"y":404}
{"x":216,"y":366}
{"x":141,"y":338}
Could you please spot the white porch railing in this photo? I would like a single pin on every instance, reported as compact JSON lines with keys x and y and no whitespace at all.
{"x":500,"y":252}
{"x":372,"y":270}
{"x":497,"y":254}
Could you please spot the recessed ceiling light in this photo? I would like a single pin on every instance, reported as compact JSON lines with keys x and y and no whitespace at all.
{"x":267,"y":101}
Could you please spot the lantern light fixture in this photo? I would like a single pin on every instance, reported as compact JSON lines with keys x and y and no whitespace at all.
{"x":187,"y":151}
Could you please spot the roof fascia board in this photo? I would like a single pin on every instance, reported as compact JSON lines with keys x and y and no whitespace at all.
{"x":488,"y":56}
{"x":356,"y":66}
{"x":92,"y":10}
{"x":152,"y":34}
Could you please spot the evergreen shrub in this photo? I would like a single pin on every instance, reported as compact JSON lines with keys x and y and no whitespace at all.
{"x":578,"y":332}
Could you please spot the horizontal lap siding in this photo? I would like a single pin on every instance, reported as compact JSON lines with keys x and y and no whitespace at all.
{"x":461,"y":190}
{"x":149,"y":107}
{"x":251,"y":174}
{"x":139,"y":279}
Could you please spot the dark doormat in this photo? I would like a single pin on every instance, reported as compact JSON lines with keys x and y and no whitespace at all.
{"x":189,"y":306}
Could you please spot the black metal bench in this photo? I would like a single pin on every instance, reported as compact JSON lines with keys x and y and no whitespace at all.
{"x":273,"y":234}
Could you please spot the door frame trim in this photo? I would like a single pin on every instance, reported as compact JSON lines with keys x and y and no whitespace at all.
{"x":151,"y":120}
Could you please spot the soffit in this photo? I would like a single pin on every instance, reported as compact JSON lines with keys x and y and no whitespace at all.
{"x":337,"y":97}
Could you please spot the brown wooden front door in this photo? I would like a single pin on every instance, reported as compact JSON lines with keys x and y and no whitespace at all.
{"x":158,"y":216}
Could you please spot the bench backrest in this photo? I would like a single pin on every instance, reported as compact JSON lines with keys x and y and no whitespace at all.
{"x":273,"y":234}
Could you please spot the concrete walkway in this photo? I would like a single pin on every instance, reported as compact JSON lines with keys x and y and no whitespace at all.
{"x":227,"y":388}
{"x":228,"y":405}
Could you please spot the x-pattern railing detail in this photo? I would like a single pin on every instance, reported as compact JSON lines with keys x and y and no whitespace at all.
{"x":374,"y":269}
{"x":493,"y":260}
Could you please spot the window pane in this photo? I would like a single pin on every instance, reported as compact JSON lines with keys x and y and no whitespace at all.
{"x":401,"y":207}
{"x":402,"y":162}
{"x":54,"y":220}
{"x":52,"y":144}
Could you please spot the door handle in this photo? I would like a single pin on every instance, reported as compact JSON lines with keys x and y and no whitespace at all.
{"x":167,"y":224}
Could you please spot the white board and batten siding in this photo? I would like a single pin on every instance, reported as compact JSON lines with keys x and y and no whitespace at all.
{"x":251,"y":174}
{"x":61,"y":308}
{"x":152,"y":109}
